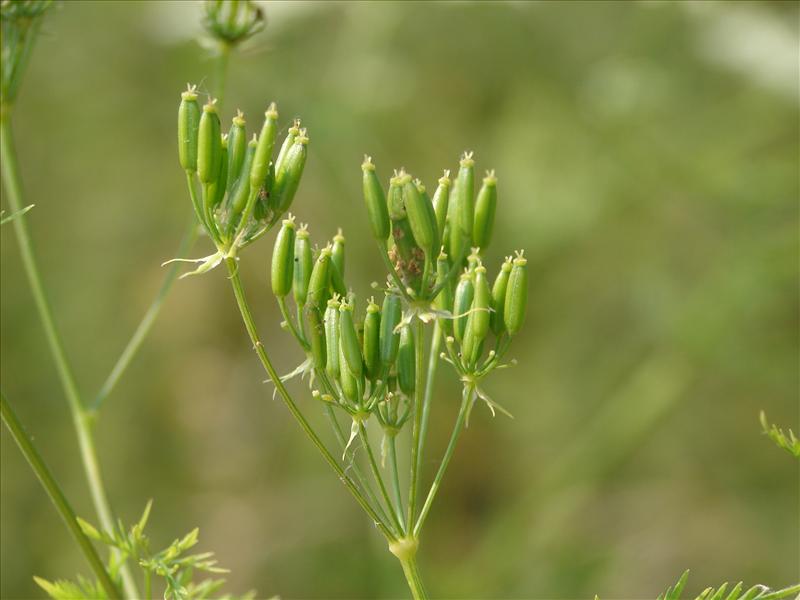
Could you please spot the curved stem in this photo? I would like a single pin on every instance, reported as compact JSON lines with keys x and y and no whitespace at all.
{"x":147,"y":321}
{"x":79,"y":417}
{"x":56,"y":496}
{"x":292,"y":328}
{"x":415,"y":432}
{"x":376,"y":473}
{"x":252,"y":331}
{"x":448,"y":454}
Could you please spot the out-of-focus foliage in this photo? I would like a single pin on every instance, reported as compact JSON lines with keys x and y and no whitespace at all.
{"x":789,"y":442}
{"x":736,"y":592}
{"x":648,"y":158}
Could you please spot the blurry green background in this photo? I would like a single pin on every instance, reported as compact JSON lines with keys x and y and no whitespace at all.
{"x":647,"y":156}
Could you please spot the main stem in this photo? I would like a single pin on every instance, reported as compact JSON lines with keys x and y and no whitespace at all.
{"x":433,"y":363}
{"x":56,"y":495}
{"x":411,"y":571}
{"x":80,"y":419}
{"x":252,"y":331}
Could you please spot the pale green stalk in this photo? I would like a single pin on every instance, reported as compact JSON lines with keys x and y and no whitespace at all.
{"x":411,"y":571}
{"x":433,"y":363}
{"x":252,"y":331}
{"x":396,"y":479}
{"x":56,"y":496}
{"x":376,"y":472}
{"x":448,"y":454}
{"x":80,"y":418}
{"x":147,"y":321}
{"x":417,"y":425}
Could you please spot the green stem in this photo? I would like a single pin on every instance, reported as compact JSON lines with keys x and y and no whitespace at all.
{"x":390,"y":267}
{"x":415,"y":432}
{"x":57,"y":497}
{"x":396,"y":478}
{"x":147,"y":321}
{"x":376,"y":473}
{"x":362,"y":480}
{"x":448,"y":454}
{"x":413,"y":578}
{"x":433,"y":363}
{"x":222,"y":71}
{"x":252,"y":331}
{"x":80,"y":419}
{"x":148,"y":584}
{"x":292,"y":328}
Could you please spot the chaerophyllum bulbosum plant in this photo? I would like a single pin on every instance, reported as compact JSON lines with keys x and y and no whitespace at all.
{"x":366,"y":359}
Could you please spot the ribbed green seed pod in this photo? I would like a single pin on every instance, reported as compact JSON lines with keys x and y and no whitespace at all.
{"x":332,"y":338}
{"x":349,"y":340}
{"x":478,"y":319}
{"x":371,"y":347}
{"x":464,"y":194}
{"x":395,"y":202}
{"x":209,"y":144}
{"x":337,"y":252}
{"x":216,"y":190}
{"x":485,"y":208}
{"x":421,"y":217}
{"x":441,"y":199}
{"x":347,"y":379}
{"x":316,"y":332}
{"x":516,"y":295}
{"x":237,"y":149}
{"x":241,"y":189}
{"x":283,"y":259}
{"x":462,"y":301}
{"x":375,"y":200}
{"x":499,"y":297}
{"x":188,"y":129}
{"x":287,"y":178}
{"x":303,"y":264}
{"x":444,"y":300}
{"x":320,"y":279}
{"x":263,"y":155}
{"x":288,"y":142}
{"x":406,"y":362}
{"x":389,"y":340}
{"x":454,"y":239}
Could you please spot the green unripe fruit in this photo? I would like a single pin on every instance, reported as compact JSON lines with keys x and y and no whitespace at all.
{"x":478,"y":319}
{"x":283,"y":259}
{"x":237,"y":149}
{"x":455,"y":239}
{"x":499,"y":297}
{"x":337,"y":252}
{"x":263,"y":155}
{"x":303,"y":264}
{"x":375,"y":200}
{"x":444,"y":300}
{"x":516,"y":295}
{"x":320,"y":278}
{"x":462,"y":302}
{"x":332,"y":338}
{"x":484,"y":212}
{"x":349,"y":340}
{"x":371,"y":347}
{"x":287,"y":178}
{"x":241,"y":188}
{"x":390,"y":319}
{"x":316,"y":332}
{"x":288,"y":141}
{"x":396,"y":204}
{"x":209,"y":144}
{"x":421,"y":217}
{"x":347,"y":379}
{"x":440,"y":202}
{"x":464,"y":193}
{"x":188,"y":128}
{"x":406,"y":362}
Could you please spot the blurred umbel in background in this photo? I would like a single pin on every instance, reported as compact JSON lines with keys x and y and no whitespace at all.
{"x":649,"y":158}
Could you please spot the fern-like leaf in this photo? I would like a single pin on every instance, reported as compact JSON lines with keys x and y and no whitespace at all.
{"x":757,"y":592}
{"x":789,"y":442}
